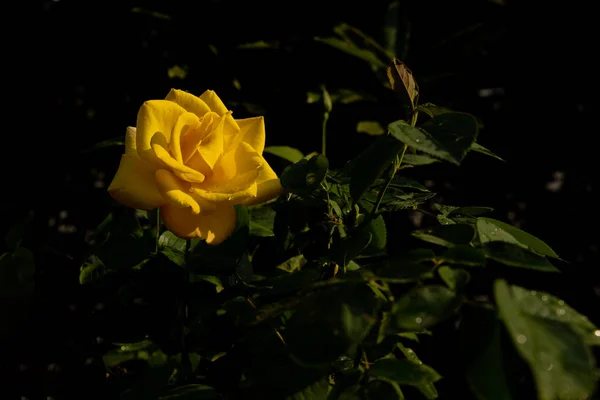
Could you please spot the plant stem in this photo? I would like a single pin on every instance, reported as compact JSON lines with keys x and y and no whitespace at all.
{"x":185,"y":357}
{"x":157,"y":228}
{"x":324,"y":133}
{"x":396,"y":167}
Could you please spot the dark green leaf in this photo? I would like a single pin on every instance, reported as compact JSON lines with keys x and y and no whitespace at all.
{"x":372,"y":128}
{"x":543,"y":305}
{"x":516,"y":256}
{"x":447,"y":136}
{"x":491,"y":230}
{"x":168,"y":240}
{"x":261,"y":221}
{"x":383,"y":389}
{"x":406,"y":201}
{"x":463,"y":255}
{"x":418,"y":159}
{"x":406,"y":372}
{"x":480,"y":149}
{"x":404,"y":271}
{"x":287,"y":153}
{"x":456,"y":279}
{"x":337,"y":318}
{"x":447,"y":235}
{"x":306,"y":175}
{"x":402,"y":182}
{"x":191,"y":392}
{"x":293,"y":264}
{"x":176,"y":256}
{"x":432,"y":110}
{"x":376,"y":227}
{"x":562,"y":364}
{"x":91,"y":271}
{"x":371,"y":164}
{"x":480,"y":335}
{"x":424,"y":307}
{"x":351,"y":393}
{"x":316,"y":391}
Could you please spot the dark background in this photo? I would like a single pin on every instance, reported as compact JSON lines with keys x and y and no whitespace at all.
{"x":78,"y":71}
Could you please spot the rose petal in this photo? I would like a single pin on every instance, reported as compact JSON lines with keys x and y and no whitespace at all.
{"x":155,"y":118}
{"x":188,"y":101}
{"x":214,"y":102}
{"x":252,"y":131}
{"x":232,"y":196}
{"x":134,"y":184}
{"x":192,"y":138}
{"x":234,"y":169}
{"x":185,"y":122}
{"x":175,"y":191}
{"x":268,"y":188}
{"x":214,"y":228}
{"x":211,"y":146}
{"x":180,"y":170}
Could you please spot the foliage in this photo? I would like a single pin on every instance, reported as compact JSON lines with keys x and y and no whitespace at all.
{"x":313,"y":297}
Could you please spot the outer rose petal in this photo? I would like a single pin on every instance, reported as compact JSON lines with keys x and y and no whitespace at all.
{"x":155,"y":118}
{"x":134,"y":184}
{"x":214,"y":102}
{"x":269,"y":186}
{"x":174,"y":190}
{"x":215,"y":227}
{"x":252,"y":131}
{"x":188,"y":101}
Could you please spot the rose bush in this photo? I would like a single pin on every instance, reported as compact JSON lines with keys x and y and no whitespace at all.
{"x":190,"y":157}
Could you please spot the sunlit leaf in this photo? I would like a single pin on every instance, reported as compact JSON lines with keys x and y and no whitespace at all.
{"x":287,"y":153}
{"x":562,"y":364}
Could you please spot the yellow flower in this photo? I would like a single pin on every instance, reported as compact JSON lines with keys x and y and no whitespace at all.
{"x":190,"y":157}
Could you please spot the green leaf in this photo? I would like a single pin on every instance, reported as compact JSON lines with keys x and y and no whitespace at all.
{"x":432,"y":110}
{"x":563,"y":366}
{"x":418,"y":159}
{"x":191,"y":392}
{"x":176,"y":256}
{"x":407,"y":201}
{"x":372,"y":128}
{"x":424,"y":307}
{"x":316,"y":391}
{"x":371,"y":164}
{"x":480,"y":149}
{"x":287,"y":153}
{"x":168,"y":240}
{"x":406,"y":372}
{"x":215,"y":280}
{"x":456,"y":279}
{"x":92,"y":271}
{"x":383,"y":389}
{"x":376,"y":227}
{"x":403,"y":271}
{"x":262,"y":219}
{"x":463,"y":255}
{"x":447,"y":235}
{"x":338,"y":318}
{"x":351,"y":393}
{"x":306,"y":175}
{"x":293,"y":264}
{"x":447,"y":136}
{"x":17,"y":230}
{"x":491,"y":230}
{"x":481,"y":347}
{"x":402,"y":182}
{"x":543,"y":305}
{"x":357,"y":44}
{"x":145,"y":350}
{"x":516,"y":256}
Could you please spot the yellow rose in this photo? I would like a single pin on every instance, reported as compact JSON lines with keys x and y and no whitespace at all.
{"x":190,"y":157}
